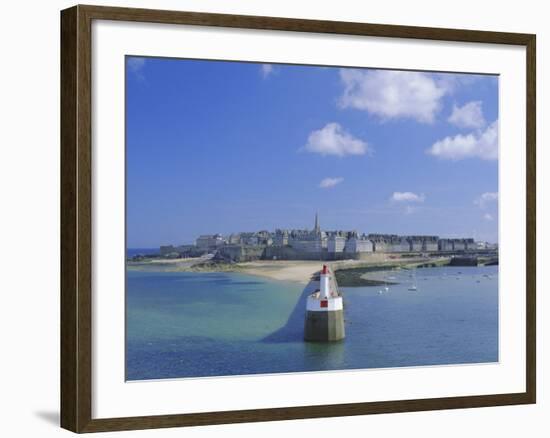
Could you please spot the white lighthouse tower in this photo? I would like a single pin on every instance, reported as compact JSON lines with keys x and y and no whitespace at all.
{"x":325,"y":311}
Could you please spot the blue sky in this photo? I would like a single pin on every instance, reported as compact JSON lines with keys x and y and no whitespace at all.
{"x":224,"y":147}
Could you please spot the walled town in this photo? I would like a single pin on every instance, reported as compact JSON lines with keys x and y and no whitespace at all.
{"x":316,"y":244}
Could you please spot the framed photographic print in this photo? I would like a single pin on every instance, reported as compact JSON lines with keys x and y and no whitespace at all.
{"x":269,"y":218}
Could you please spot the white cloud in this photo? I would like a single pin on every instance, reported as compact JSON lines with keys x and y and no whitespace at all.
{"x":487,"y":217}
{"x":266,"y":70}
{"x":407,"y":197}
{"x":479,"y":144}
{"x":333,"y":140}
{"x":393,"y":94}
{"x":327,"y":183}
{"x":468,"y":116}
{"x":486,"y":198}
{"x":135,"y":64}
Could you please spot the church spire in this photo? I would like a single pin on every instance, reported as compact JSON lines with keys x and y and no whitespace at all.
{"x":317,"y":228}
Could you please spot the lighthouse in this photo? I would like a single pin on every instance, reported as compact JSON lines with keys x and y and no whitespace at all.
{"x":325,"y":311}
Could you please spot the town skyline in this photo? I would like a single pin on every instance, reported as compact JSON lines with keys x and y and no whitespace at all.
{"x":315,"y":244}
{"x":226,"y":237}
{"x":227,"y":147}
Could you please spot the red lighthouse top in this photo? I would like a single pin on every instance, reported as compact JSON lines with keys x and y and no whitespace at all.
{"x":325,"y":270}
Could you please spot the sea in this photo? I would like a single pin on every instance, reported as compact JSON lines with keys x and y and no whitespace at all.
{"x":184,"y":325}
{"x":131,"y":252}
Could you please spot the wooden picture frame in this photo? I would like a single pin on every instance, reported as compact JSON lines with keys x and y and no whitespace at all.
{"x":76,"y":217}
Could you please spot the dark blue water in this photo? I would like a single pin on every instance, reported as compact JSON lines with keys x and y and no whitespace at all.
{"x":214,"y":324}
{"x":131,"y":252}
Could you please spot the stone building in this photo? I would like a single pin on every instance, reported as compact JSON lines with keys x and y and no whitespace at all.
{"x":209,"y":241}
{"x":280,"y":238}
{"x":358,"y":244}
{"x":430,"y":243}
{"x":336,"y":243}
{"x":308,"y":240}
{"x":389,"y":243}
{"x":467,"y":244}
{"x":423,"y":243}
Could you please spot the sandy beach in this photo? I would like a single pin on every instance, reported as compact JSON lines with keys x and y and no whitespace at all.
{"x":286,"y":270}
{"x":299,"y":271}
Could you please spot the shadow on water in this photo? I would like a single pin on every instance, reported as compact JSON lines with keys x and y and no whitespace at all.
{"x":293,"y":330}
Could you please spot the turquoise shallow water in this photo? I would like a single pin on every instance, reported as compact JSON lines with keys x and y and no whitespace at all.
{"x":216,"y":324}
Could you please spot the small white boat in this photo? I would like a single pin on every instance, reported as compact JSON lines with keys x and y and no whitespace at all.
{"x":413,"y":287}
